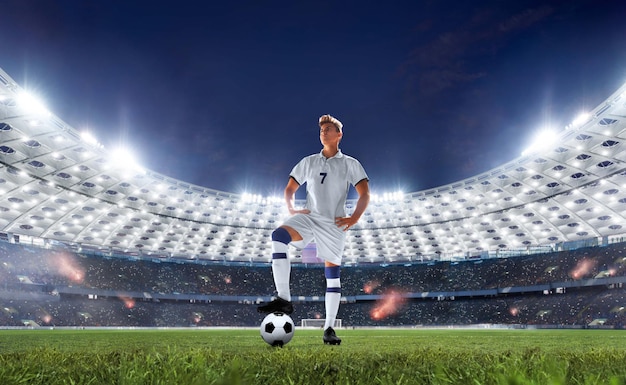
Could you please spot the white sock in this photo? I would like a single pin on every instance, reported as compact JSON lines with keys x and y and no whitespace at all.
{"x":332,"y":300}
{"x":281,"y":270}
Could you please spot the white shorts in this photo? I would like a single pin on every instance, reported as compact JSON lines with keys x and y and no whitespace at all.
{"x":330,"y":240}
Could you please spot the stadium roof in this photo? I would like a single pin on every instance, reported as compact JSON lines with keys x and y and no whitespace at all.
{"x":59,"y":186}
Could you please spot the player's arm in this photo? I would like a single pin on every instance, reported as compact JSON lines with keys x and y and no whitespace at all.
{"x":363,"y":189}
{"x":290,"y":194}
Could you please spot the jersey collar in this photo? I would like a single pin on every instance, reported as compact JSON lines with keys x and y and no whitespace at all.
{"x":339,"y":154}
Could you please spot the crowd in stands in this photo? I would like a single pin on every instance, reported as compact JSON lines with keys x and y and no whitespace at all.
{"x":35,"y":288}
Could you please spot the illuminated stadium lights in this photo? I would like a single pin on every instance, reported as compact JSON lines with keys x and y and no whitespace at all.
{"x":580,"y":120}
{"x":437,"y":230}
{"x":89,"y":138}
{"x":122,"y":158}
{"x":542,"y":141}
{"x":251,"y":198}
{"x":388,"y":197}
{"x":31,"y":103}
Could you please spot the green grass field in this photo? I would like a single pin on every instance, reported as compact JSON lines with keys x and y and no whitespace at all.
{"x":366,"y":356}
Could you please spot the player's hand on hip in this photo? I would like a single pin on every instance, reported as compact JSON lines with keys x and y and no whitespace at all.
{"x":345,"y":222}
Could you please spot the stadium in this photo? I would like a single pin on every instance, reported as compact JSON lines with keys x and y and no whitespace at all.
{"x":90,"y":239}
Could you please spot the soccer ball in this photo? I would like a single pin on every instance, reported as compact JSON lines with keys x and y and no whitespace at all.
{"x":277,"y":329}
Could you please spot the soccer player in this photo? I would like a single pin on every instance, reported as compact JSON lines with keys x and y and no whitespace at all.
{"x":328,"y":176}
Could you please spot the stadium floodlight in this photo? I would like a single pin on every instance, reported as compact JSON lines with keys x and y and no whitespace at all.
{"x":247,"y":197}
{"x":89,"y":138}
{"x":32,"y":103}
{"x":581,"y":119}
{"x":543,"y":140}
{"x":396,"y":196}
{"x":122,"y":158}
{"x":275,"y":199}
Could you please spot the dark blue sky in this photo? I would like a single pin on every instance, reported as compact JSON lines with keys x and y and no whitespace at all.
{"x":227,"y":95}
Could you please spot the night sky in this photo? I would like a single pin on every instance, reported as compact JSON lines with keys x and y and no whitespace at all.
{"x":227,"y":94}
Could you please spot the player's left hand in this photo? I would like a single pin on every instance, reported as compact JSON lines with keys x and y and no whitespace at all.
{"x":345,"y":222}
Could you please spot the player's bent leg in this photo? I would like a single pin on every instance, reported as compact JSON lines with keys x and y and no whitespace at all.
{"x":281,"y":266}
{"x":281,"y":271}
{"x":332,"y":300}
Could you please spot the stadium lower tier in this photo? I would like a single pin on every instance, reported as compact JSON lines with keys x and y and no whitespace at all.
{"x":27,"y":265}
{"x":582,"y":307}
{"x":63,"y":288}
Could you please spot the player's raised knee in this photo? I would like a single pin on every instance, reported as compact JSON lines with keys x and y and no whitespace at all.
{"x":281,"y":235}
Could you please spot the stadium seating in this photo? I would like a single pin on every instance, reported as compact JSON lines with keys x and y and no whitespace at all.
{"x":62,"y":288}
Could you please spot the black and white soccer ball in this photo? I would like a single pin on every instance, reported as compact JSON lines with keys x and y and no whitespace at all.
{"x":277,"y":329}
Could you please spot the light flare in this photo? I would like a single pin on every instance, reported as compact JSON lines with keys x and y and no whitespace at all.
{"x":129,"y":303}
{"x":370,"y":286}
{"x":67,"y":266}
{"x":197,"y":317}
{"x":389,"y":305}
{"x":44,"y":316}
{"x":583,"y":267}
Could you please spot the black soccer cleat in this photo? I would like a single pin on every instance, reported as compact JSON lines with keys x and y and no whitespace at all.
{"x":278,"y":305}
{"x":330,"y":337}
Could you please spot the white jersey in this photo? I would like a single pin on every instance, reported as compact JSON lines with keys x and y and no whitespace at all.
{"x":328,"y":182}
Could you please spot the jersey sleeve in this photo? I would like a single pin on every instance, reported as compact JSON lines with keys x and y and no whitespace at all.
{"x":298,"y":173}
{"x":357,"y":172}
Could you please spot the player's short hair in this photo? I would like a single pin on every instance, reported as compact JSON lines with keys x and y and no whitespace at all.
{"x":331,"y":119}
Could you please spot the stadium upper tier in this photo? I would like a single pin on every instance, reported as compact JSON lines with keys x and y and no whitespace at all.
{"x":58,"y":186}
